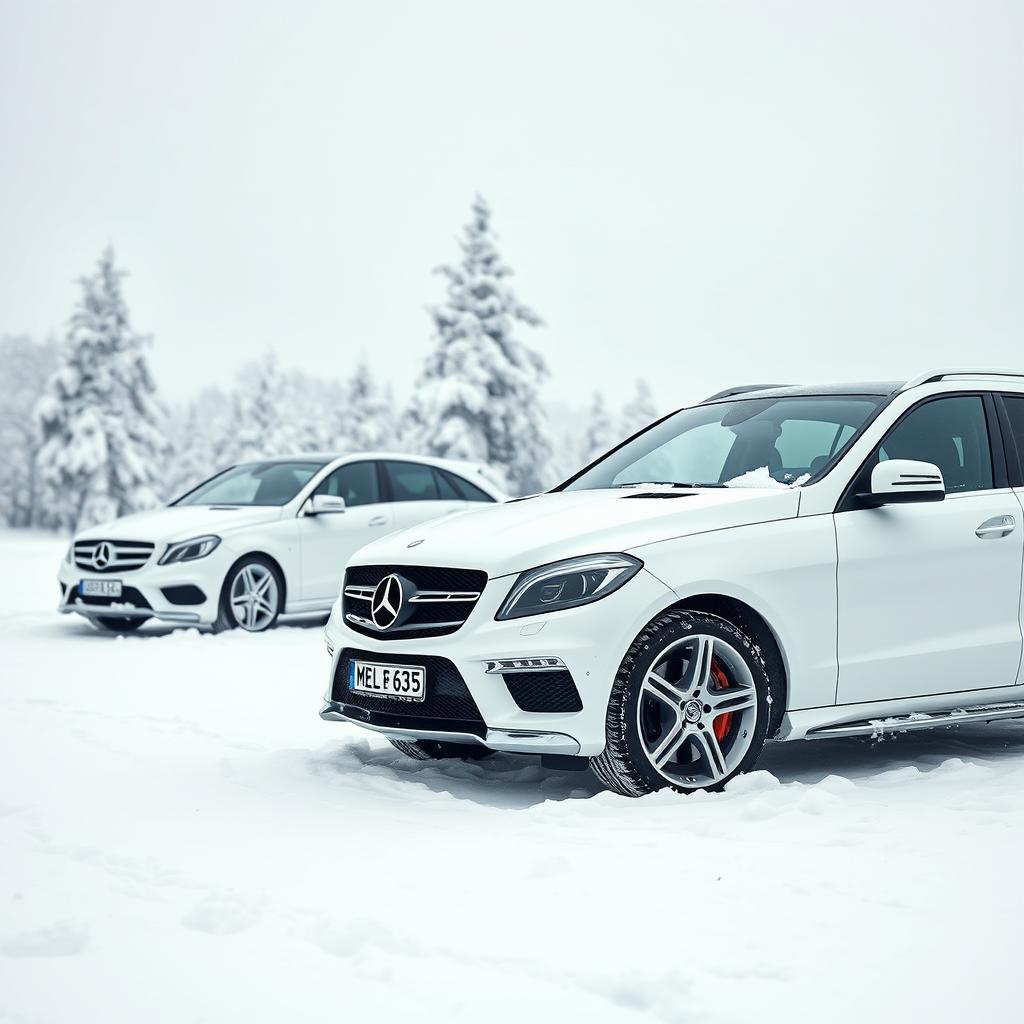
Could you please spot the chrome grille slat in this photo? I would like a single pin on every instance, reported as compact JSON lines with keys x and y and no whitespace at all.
{"x":105,"y":556}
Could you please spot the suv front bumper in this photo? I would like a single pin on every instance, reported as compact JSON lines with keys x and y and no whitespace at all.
{"x":589,"y":641}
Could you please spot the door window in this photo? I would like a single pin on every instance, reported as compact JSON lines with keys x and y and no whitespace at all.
{"x":466,"y":490}
{"x":356,"y":483}
{"x":951,"y":433}
{"x":1015,"y":413}
{"x":411,"y":481}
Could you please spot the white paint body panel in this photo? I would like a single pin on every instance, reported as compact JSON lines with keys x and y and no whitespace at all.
{"x":882,"y":611}
{"x":311,"y":551}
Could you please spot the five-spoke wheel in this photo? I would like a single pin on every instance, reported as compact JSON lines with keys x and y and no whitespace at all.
{"x":252,"y":596}
{"x":689,"y":707}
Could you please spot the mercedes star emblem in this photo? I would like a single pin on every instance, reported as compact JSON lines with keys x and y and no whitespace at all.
{"x":101,"y":556}
{"x":386,"y":605}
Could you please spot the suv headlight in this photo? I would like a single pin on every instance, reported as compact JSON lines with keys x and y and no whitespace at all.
{"x":568,"y":584}
{"x":189,"y":550}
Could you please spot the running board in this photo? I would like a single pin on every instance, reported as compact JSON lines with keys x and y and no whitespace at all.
{"x":908,"y":723}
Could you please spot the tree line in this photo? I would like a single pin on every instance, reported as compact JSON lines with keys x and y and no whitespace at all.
{"x":88,"y":437}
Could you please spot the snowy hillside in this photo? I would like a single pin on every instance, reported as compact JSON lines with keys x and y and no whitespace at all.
{"x":182,"y":839}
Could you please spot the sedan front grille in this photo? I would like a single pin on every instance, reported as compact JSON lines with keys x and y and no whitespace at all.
{"x":112,"y":555}
{"x":435,"y":601}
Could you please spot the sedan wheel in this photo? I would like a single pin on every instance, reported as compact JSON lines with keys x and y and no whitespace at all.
{"x":253,"y":598}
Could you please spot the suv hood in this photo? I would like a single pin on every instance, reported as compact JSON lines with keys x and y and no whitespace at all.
{"x":519,"y":535}
{"x":179,"y":522}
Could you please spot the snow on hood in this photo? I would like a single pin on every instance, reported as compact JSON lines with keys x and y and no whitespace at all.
{"x":763,"y":478}
{"x":518,"y":535}
{"x":179,"y":522}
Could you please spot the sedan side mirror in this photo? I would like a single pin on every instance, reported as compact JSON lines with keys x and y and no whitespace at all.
{"x":324,"y":504}
{"x":897,"y":481}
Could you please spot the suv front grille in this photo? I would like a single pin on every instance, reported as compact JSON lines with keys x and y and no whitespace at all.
{"x":112,"y":555}
{"x":447,"y":707}
{"x":437,"y":601}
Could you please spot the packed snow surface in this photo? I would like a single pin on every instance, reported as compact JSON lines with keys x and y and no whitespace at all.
{"x":182,"y":839}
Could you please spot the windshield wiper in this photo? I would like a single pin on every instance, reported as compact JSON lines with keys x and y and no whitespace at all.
{"x":663,"y":483}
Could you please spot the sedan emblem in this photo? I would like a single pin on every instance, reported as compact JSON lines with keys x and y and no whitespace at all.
{"x":386,"y":605}
{"x":101,"y":557}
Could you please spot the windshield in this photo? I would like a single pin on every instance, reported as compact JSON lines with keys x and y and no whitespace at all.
{"x":254,"y":483}
{"x":757,"y":441}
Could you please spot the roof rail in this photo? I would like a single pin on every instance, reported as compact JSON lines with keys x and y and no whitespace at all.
{"x":742,"y":389}
{"x":934,"y":375}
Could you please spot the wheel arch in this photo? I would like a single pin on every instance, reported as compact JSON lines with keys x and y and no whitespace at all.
{"x":275,"y":564}
{"x":760,"y":630}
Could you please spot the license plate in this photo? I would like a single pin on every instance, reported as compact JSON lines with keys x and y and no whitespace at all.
{"x":405,"y":682}
{"x":99,"y":588}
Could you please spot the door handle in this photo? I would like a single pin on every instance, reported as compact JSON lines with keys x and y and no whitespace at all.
{"x":378,"y":521}
{"x":997,"y":526}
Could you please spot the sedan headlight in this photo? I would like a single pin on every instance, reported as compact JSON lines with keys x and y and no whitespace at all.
{"x":568,"y":584}
{"x":189,"y":550}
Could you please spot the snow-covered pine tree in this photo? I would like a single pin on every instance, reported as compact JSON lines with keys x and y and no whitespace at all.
{"x":639,"y":411}
{"x":27,"y":366}
{"x":601,"y":433}
{"x":477,"y":397}
{"x":260,"y":415}
{"x":104,"y":444}
{"x":368,"y":419}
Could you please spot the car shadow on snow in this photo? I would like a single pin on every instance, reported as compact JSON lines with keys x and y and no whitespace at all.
{"x":862,"y":759}
{"x":504,"y":780}
{"x":508,"y":781}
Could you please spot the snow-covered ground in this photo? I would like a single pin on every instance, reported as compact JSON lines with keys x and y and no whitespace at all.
{"x":182,"y":839}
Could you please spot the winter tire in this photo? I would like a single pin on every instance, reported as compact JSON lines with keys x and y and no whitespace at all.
{"x":689,"y":708}
{"x":436,"y":750}
{"x":252,"y":596}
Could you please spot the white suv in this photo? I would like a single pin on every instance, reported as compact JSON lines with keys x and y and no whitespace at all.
{"x":774,"y":563}
{"x":259,"y":540}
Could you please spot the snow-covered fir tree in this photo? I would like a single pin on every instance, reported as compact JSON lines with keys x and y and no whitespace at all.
{"x":601,"y":432}
{"x":25,"y":368}
{"x":639,"y":411}
{"x":369,"y":419}
{"x":104,"y":445}
{"x":477,"y":397}
{"x":259,"y":419}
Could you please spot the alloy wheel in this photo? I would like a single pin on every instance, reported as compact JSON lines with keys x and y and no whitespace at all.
{"x":696,"y":712}
{"x":254,"y":597}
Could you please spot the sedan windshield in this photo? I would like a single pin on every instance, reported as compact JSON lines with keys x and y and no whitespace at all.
{"x":756,"y":441}
{"x":254,"y":483}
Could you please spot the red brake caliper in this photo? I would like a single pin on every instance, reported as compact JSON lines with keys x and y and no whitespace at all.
{"x":722,"y":722}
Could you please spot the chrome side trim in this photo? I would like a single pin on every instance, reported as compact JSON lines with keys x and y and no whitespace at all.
{"x":913,"y":722}
{"x":505,"y":666}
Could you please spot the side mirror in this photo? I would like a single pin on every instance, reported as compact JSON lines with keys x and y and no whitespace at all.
{"x":324,"y":504}
{"x":897,"y":481}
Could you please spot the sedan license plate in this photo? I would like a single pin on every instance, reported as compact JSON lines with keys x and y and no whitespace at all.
{"x":99,"y":588}
{"x":404,"y":682}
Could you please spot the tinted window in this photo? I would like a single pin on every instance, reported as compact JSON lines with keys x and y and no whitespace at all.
{"x":951,"y":433}
{"x":1015,"y":413}
{"x":445,"y":487}
{"x":356,"y":483}
{"x":411,"y":481}
{"x":716,"y":443}
{"x":254,"y":483}
{"x":466,"y":490}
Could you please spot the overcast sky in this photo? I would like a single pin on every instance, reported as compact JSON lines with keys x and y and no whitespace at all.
{"x":701,"y":193}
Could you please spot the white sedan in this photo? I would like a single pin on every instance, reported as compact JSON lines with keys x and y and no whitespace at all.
{"x":258,"y":540}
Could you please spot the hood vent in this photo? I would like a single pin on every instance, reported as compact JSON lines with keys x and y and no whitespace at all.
{"x":662,"y":494}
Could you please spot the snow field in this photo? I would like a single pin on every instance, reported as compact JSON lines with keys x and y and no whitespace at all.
{"x":182,"y":839}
